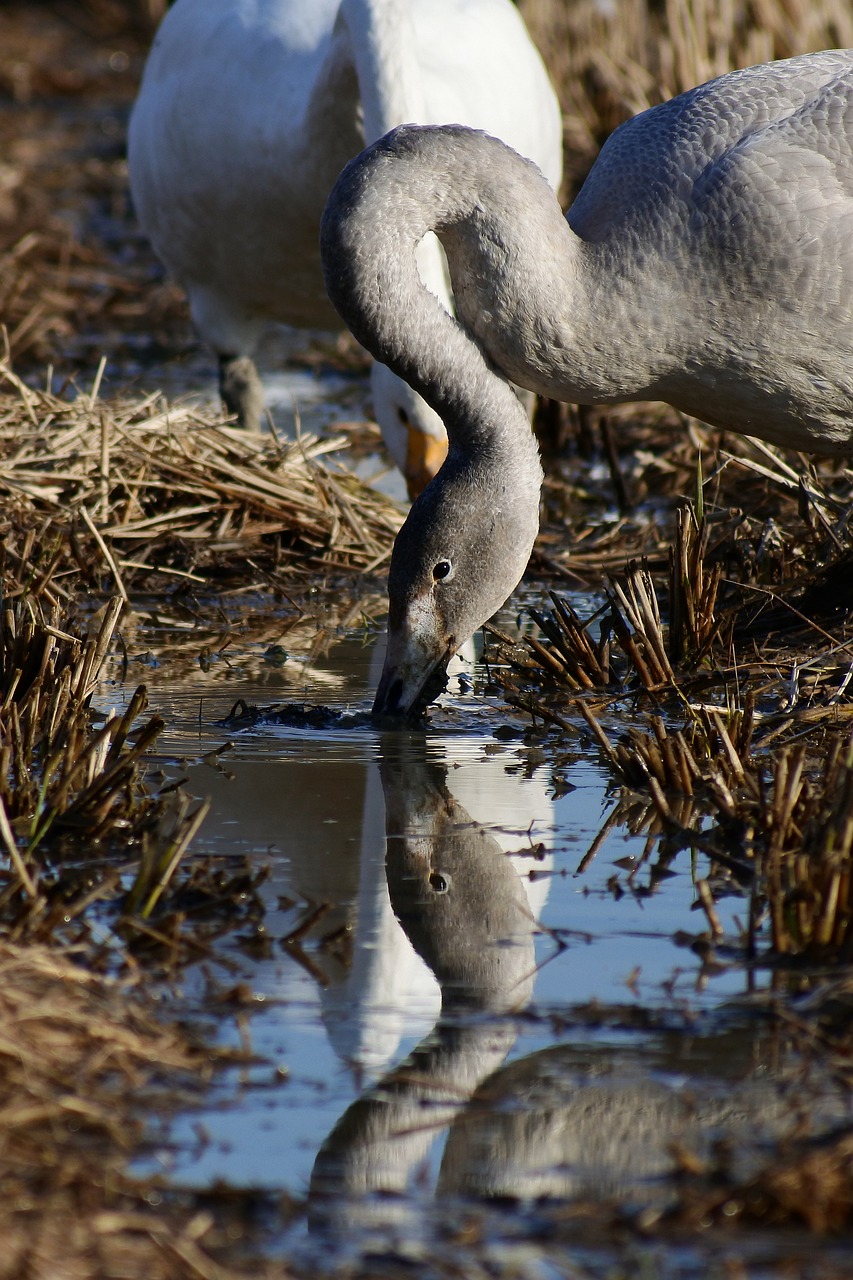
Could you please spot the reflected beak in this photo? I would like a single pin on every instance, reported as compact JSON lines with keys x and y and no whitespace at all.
{"x":424,"y":456}
{"x":414,"y":674}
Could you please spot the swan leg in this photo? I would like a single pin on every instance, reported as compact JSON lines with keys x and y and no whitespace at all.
{"x":240,"y":389}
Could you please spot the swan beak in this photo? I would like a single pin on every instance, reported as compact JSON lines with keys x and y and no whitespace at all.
{"x":415,"y":673}
{"x":424,"y":456}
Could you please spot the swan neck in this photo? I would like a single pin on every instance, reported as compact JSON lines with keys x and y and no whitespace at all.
{"x":384,"y":50}
{"x":383,"y":205}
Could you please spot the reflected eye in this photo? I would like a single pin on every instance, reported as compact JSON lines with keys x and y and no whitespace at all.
{"x":443,"y":571}
{"x":439,"y":882}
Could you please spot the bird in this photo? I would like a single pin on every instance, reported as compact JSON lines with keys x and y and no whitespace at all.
{"x":707,"y":262}
{"x":246,"y":113}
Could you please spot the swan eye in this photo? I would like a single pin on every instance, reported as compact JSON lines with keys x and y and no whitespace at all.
{"x":443,"y":571}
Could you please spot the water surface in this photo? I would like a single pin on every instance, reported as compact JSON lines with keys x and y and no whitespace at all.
{"x":453,"y":998}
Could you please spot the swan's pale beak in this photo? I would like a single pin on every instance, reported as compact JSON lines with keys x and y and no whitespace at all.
{"x":415,"y":673}
{"x":424,"y":456}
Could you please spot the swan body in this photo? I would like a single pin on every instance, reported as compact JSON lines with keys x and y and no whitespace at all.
{"x":248,"y":110}
{"x":707,"y":262}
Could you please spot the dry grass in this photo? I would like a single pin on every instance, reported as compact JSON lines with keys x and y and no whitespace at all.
{"x":124,"y":496}
{"x":762,"y":752}
{"x":82,"y":1060}
{"x":86,"y":1061}
{"x":88,"y":842}
{"x":63,"y":177}
{"x":810,"y":1184}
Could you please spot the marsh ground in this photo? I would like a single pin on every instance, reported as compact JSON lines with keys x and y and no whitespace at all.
{"x":661,"y":1086}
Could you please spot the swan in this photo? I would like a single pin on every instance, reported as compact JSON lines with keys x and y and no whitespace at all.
{"x":707,"y":262}
{"x":246,"y":113}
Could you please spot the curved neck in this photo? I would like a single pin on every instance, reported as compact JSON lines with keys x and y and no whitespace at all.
{"x":382,"y":206}
{"x":559,"y":314}
{"x":384,"y":50}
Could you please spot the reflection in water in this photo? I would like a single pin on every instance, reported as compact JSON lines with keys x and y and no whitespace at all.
{"x":364,"y":1010}
{"x":555,"y":1123}
{"x":405,"y":915}
{"x":464,"y":908}
{"x":611,"y":1133}
{"x":365,"y":1006}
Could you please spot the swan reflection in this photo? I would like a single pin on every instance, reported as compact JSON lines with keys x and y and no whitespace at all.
{"x":463,"y":906}
{"x":563,"y":1122}
{"x":390,"y":987}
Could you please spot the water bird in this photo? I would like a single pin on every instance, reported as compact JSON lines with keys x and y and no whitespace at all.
{"x":706,"y":262}
{"x":248,"y":110}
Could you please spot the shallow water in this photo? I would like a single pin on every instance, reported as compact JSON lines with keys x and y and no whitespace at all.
{"x":431,"y":1017}
{"x":454,"y":999}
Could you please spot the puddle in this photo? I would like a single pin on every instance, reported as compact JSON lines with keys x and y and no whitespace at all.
{"x":451,"y":997}
{"x":473,"y":1005}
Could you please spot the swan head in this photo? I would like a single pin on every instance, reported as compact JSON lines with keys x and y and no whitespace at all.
{"x":460,"y":554}
{"x":414,"y":434}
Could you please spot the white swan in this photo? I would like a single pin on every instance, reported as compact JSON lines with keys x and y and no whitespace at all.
{"x":247,"y":111}
{"x":707,"y":262}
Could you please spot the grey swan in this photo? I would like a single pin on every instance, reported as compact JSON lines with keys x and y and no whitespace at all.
{"x":707,"y":262}
{"x":246,"y":113}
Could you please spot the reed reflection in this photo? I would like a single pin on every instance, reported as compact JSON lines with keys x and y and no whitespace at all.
{"x":569,"y":1121}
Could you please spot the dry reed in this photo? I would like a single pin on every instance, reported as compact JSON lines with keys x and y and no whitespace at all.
{"x":765,"y":754}
{"x":62,"y":780}
{"x":126,"y":495}
{"x":85,"y":1066}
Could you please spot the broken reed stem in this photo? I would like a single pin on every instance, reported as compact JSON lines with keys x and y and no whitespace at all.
{"x":186,"y":826}
{"x":89,"y":667}
{"x":106,"y":553}
{"x":692,"y":590}
{"x":105,"y":468}
{"x":706,"y":901}
{"x":14,"y":853}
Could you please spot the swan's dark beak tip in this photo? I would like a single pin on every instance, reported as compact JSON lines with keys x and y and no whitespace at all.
{"x":392,"y":705}
{"x":398,"y":719}
{"x":389,"y":703}
{"x":389,"y":709}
